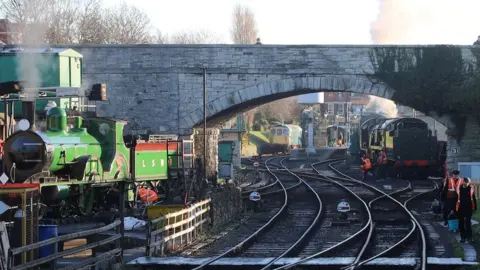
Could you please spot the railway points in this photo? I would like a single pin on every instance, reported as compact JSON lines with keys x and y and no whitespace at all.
{"x":440,"y":239}
{"x":388,"y":230}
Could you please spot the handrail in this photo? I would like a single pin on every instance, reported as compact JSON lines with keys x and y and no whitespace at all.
{"x":185,"y":222}
{"x":51,"y":258}
{"x":180,"y":212}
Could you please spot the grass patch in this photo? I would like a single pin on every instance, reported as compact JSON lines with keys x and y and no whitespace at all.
{"x":249,"y":150}
{"x":255,"y":139}
{"x":476,"y":232}
{"x":476,"y":214}
{"x":457,"y":249}
{"x":261,"y":135}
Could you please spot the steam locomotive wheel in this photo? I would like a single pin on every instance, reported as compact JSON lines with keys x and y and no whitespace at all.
{"x":63,"y":209}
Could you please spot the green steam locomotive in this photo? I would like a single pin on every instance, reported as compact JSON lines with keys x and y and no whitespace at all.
{"x":71,"y":165}
{"x":79,"y":158}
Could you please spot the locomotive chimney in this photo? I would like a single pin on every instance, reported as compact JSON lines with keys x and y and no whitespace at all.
{"x":99,"y":92}
{"x":28,"y":112}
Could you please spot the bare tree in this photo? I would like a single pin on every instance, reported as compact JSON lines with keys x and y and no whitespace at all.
{"x":29,"y":17}
{"x":61,"y":21}
{"x":244,"y":28}
{"x":127,"y":25}
{"x":195,"y":37}
{"x":159,"y":38}
{"x":55,"y":21}
{"x":85,"y":21}
{"x":91,"y":26}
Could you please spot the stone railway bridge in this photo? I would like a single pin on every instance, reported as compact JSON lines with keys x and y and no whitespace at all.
{"x":158,"y":88}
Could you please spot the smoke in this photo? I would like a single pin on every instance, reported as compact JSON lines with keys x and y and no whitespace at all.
{"x":383,"y":106}
{"x":32,"y":60}
{"x":426,"y":22}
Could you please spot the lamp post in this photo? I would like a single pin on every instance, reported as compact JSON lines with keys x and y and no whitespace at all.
{"x":205,"y":124}
{"x":310,"y":148}
{"x":325,"y":115}
{"x":335,"y":124}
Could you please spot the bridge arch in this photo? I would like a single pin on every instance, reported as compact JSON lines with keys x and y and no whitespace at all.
{"x":244,"y":99}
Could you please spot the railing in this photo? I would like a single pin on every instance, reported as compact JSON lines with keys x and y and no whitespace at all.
{"x":476,"y":184}
{"x":176,"y":229}
{"x":54,"y":241}
{"x":162,"y":138}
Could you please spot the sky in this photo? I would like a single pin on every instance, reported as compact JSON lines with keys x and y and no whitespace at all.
{"x":325,"y":21}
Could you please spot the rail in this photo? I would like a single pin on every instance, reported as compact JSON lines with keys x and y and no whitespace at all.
{"x":177,"y":228}
{"x":13,"y":252}
{"x":423,"y":257}
{"x":251,"y":238}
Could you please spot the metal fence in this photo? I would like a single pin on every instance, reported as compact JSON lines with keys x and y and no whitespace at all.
{"x":476,"y":184}
{"x":176,"y":229}
{"x":51,"y":259}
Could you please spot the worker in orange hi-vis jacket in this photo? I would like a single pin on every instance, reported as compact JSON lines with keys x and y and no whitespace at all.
{"x":365,"y":167}
{"x":449,"y":195}
{"x":147,"y":195}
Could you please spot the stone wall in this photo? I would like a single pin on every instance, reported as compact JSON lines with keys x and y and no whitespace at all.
{"x":212,"y":149}
{"x":226,"y":204}
{"x":468,"y":150}
{"x":239,"y":77}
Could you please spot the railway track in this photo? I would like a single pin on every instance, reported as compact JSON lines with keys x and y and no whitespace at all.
{"x":287,"y":230}
{"x":381,"y":224}
{"x":390,"y":227}
{"x":333,"y":224}
{"x":246,"y":232}
{"x":394,"y":245}
{"x":414,"y":190}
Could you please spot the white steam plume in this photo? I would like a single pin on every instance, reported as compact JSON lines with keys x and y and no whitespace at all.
{"x":30,"y":64}
{"x":383,"y":106}
{"x":426,"y":22}
{"x":423,"y":22}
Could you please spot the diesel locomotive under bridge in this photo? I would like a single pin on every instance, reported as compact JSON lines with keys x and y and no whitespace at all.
{"x":159,"y":87}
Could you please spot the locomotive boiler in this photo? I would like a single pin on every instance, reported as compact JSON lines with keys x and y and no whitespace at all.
{"x":58,"y":151}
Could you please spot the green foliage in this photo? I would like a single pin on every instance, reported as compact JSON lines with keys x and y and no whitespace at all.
{"x":257,"y":127}
{"x":274,"y":122}
{"x":258,"y":116}
{"x":261,"y":136}
{"x":433,"y":78}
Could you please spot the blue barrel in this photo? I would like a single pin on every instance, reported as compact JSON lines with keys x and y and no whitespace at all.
{"x":47,"y":232}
